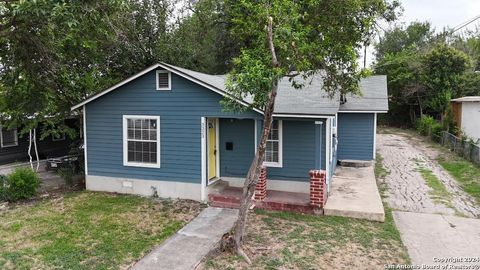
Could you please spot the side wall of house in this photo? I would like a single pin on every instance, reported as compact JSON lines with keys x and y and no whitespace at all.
{"x":356,"y":136}
{"x":180,"y":110}
{"x":470,"y":115}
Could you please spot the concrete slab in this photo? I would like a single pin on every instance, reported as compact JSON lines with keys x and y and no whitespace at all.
{"x":429,"y":236}
{"x":354,"y":194}
{"x":192,"y":243}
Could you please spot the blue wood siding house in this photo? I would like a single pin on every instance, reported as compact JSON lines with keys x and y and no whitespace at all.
{"x":164,"y":130}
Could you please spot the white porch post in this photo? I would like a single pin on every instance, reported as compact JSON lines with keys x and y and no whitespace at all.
{"x":203,"y":139}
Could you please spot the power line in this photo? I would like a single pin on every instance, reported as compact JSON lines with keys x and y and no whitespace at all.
{"x":462,"y":25}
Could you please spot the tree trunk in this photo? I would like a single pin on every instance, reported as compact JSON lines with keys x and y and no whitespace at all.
{"x":30,"y":148}
{"x":254,"y":171}
{"x":36,"y":149}
{"x":419,"y":103}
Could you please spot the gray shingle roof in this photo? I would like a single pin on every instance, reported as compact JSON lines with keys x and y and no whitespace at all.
{"x":309,"y":100}
{"x":374,"y":96}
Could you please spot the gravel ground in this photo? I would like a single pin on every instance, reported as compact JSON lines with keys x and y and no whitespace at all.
{"x":407,"y":190}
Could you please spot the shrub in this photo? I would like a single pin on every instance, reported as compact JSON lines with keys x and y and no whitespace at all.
{"x":22,"y":183}
{"x":428,"y":126}
{"x":3,"y":188}
{"x":436,"y":132}
{"x":424,"y":125}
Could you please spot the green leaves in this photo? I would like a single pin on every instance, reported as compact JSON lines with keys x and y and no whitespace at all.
{"x":308,"y":36}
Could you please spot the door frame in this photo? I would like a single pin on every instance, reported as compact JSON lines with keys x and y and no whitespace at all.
{"x":217,"y":155}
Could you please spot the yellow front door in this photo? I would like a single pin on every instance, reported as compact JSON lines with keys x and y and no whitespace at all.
{"x":212,"y":148}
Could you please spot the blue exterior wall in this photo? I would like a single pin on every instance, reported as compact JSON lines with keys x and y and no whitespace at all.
{"x":180,"y":112}
{"x":299,"y":149}
{"x":241,"y":133}
{"x":356,"y":136}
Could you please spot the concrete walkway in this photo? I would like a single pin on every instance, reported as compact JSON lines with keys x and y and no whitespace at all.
{"x":354,"y":193}
{"x":429,"y":236}
{"x":192,"y":243}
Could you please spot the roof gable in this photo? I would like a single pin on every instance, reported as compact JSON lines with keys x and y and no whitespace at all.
{"x":309,"y":101}
{"x":210,"y":82}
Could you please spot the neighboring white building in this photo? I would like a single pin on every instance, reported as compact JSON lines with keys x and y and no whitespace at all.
{"x":467,"y":115}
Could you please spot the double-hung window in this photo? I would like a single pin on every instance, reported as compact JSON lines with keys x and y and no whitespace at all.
{"x":8,"y":138}
{"x":273,"y":150}
{"x":141,"y":141}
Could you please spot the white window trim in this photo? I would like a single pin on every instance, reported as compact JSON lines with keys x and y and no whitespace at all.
{"x":10,"y":145}
{"x":125,"y":142}
{"x":278,"y":164}
{"x":58,"y":139}
{"x":169,"y":80}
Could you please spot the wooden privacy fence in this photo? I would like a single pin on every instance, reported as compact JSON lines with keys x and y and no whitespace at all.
{"x":462,"y":147}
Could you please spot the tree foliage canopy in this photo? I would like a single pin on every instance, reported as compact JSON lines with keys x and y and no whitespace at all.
{"x":53,"y":54}
{"x":308,"y":36}
{"x":425,"y":70}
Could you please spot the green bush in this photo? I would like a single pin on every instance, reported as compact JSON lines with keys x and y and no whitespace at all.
{"x":436,"y":132}
{"x":22,"y":184}
{"x":3,"y":188}
{"x":424,"y":125}
{"x":428,"y":126}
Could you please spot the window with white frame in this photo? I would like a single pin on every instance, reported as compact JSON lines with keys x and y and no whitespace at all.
{"x":164,"y":80}
{"x":273,"y":150}
{"x":141,"y":141}
{"x":8,"y":138}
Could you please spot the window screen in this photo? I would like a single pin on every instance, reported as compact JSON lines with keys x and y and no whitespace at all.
{"x":142,"y":140}
{"x":9,"y":137}
{"x":273,"y":144}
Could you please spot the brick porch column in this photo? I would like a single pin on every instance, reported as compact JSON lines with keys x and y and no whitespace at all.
{"x":261,"y":187}
{"x":318,"y":188}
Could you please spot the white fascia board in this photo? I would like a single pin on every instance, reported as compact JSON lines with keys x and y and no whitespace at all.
{"x":129,"y":79}
{"x":362,"y":111}
{"x":166,"y":67}
{"x":303,"y":116}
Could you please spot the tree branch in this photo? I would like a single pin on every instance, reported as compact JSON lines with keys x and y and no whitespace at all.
{"x":270,"y":42}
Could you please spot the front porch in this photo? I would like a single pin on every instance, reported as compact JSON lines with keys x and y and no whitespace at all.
{"x":221,"y":194}
{"x":354,"y":193}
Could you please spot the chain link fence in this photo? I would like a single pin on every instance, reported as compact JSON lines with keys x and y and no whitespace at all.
{"x":461,"y":147}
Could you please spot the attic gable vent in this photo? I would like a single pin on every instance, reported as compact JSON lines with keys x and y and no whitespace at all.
{"x":163,"y":80}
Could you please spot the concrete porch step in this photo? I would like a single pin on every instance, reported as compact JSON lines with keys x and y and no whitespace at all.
{"x":355,"y":163}
{"x":275,"y":200}
{"x":228,"y":197}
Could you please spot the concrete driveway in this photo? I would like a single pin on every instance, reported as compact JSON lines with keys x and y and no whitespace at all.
{"x":429,"y":236}
{"x":429,"y":228}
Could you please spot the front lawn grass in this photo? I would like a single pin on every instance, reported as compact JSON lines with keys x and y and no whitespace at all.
{"x":284,"y":240}
{"x":88,"y":230}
